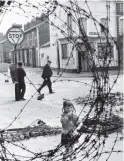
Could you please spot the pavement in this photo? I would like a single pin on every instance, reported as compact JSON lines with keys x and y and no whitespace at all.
{"x":17,"y":114}
{"x":67,"y":74}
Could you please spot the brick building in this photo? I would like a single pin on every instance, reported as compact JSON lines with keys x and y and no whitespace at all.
{"x":5,"y":50}
{"x":36,"y":34}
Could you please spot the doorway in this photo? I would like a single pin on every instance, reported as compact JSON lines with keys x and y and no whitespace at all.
{"x":82,"y":61}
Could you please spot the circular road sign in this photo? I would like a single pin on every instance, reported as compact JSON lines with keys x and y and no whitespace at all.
{"x":15,"y":35}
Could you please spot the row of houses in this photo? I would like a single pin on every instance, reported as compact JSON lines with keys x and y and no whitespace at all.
{"x":43,"y":41}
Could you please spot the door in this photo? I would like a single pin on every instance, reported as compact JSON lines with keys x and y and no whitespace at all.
{"x":82,"y":61}
{"x":79,"y":62}
{"x":28,"y":61}
{"x":85,"y":61}
{"x":33,"y":57}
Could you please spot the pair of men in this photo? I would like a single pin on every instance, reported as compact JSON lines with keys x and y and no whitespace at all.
{"x":20,"y":73}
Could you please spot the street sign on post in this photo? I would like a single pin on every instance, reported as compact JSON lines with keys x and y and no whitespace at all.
{"x":15,"y":35}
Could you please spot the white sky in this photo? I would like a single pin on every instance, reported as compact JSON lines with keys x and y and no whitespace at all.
{"x":17,"y":15}
{"x":12,"y":17}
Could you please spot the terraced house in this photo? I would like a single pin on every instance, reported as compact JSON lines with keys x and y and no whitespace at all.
{"x":36,"y":34}
{"x":59,"y":48}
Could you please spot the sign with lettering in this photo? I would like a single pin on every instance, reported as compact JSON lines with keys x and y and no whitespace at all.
{"x":93,"y":33}
{"x":15,"y":35}
{"x":119,"y":13}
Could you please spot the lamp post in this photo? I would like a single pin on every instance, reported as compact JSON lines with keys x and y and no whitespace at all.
{"x":58,"y":56}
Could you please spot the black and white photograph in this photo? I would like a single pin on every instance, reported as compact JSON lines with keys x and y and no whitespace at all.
{"x":61,"y":80}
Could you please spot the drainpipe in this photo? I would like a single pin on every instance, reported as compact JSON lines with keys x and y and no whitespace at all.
{"x":2,"y":53}
{"x":58,"y":58}
{"x":38,"y":48}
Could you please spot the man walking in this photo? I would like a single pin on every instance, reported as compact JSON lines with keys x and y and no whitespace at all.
{"x":46,"y":75}
{"x":21,"y":82}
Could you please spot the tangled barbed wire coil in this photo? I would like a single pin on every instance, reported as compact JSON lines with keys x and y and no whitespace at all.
{"x":91,"y":140}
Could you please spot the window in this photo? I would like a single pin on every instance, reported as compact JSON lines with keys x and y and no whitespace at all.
{"x":82,"y":25}
{"x":64,"y":51}
{"x":27,"y":40}
{"x":42,"y":55}
{"x":121,"y":22}
{"x":69,"y":24}
{"x":105,"y":50}
{"x":103,"y":21}
{"x":33,"y":40}
{"x":48,"y":58}
{"x":30,"y":39}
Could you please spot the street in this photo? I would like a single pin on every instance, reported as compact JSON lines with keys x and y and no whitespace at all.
{"x":49,"y":109}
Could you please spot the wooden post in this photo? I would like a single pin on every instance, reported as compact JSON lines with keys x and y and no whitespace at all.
{"x":17,"y":98}
{"x":58,"y":59}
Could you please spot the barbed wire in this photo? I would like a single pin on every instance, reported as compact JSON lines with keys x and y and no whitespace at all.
{"x":100,"y":88}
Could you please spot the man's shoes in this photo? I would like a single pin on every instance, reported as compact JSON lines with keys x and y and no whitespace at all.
{"x":51,"y":92}
{"x":23,"y":99}
{"x":40,"y":97}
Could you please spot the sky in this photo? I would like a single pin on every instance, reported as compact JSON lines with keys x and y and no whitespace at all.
{"x":18,"y":16}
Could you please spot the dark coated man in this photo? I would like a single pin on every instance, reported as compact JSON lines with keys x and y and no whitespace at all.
{"x":46,"y":75}
{"x":21,"y":81}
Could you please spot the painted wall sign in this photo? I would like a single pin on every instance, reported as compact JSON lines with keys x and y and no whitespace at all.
{"x":93,"y":33}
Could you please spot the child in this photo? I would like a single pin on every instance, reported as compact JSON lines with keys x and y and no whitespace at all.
{"x":69,"y":122}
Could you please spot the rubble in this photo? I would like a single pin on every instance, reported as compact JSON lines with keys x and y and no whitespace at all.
{"x":108,"y":121}
{"x":41,"y":129}
{"x":114,"y":99}
{"x":102,"y":126}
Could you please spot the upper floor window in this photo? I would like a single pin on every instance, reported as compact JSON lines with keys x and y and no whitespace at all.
{"x":69,"y":24}
{"x":64,"y":51}
{"x":30,"y":39}
{"x":42,"y":55}
{"x":33,"y":40}
{"x":103,"y":21}
{"x":82,"y":25}
{"x":27,"y":40}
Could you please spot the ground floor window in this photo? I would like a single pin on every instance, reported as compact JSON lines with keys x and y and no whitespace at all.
{"x":64,"y":51}
{"x":48,"y":58}
{"x":105,"y":49}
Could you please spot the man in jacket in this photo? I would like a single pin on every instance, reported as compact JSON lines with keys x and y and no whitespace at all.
{"x":21,"y":82}
{"x":46,"y":75}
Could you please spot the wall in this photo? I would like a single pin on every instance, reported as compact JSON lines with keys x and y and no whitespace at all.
{"x":51,"y":52}
{"x":98,"y":9}
{"x":5,"y":49}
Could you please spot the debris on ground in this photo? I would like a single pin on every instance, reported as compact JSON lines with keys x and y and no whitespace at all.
{"x":102,"y":126}
{"x":108,"y":121}
{"x":114,"y":99}
{"x":41,"y":129}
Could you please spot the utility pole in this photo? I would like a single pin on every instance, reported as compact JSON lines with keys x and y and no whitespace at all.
{"x":58,"y":57}
{"x":15,"y":55}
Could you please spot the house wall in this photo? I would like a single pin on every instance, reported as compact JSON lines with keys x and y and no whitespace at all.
{"x":5,"y":49}
{"x":36,"y":34}
{"x":48,"y":53}
{"x":98,"y":9}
